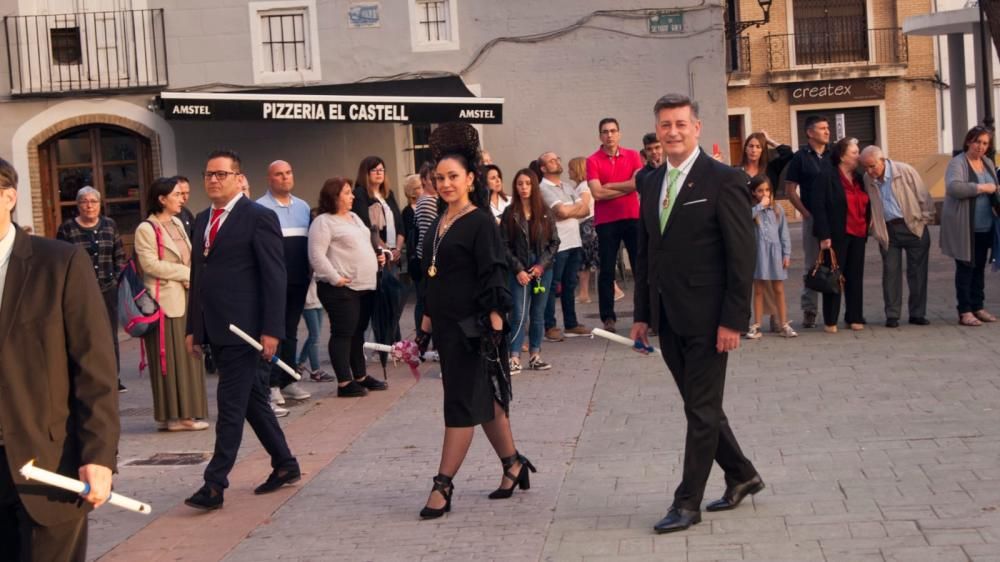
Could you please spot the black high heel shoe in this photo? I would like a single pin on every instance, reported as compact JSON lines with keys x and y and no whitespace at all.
{"x":443,"y":485}
{"x":520,"y":479}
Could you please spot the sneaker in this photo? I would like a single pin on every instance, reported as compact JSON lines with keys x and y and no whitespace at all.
{"x":279,"y":412}
{"x":319,"y":375}
{"x":609,"y":326}
{"x":121,"y":387}
{"x":577,"y":331}
{"x":372,"y":383}
{"x":754,"y":333}
{"x":554,"y":334}
{"x":536,"y":364}
{"x":295,"y":392}
{"x":515,"y":366}
{"x":351,"y":390}
{"x":276,"y":397}
{"x":302,"y":370}
{"x":809,"y":320}
{"x":433,"y":356}
{"x":787,"y":331}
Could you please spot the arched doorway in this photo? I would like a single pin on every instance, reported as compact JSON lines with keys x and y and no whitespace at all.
{"x":114,"y":160}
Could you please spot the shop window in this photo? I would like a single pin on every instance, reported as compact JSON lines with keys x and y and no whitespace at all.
{"x":420,"y":134}
{"x":116,"y":162}
{"x":285,"y":41}
{"x":434,"y":25}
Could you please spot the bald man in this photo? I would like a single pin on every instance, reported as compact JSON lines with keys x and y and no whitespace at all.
{"x":293,"y":215}
{"x":901,"y":210}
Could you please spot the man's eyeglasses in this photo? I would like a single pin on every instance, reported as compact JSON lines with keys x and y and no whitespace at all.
{"x":221,"y":176}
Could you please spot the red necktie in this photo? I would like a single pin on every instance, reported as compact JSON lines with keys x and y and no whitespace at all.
{"x":216,"y":219}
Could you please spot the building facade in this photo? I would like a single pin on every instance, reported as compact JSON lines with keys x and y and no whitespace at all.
{"x":113,"y":93}
{"x":846,"y":59}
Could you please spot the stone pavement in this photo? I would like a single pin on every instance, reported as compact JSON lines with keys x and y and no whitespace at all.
{"x":876,"y":445}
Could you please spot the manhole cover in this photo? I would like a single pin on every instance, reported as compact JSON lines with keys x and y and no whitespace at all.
{"x":171,"y":459}
{"x":135,"y":412}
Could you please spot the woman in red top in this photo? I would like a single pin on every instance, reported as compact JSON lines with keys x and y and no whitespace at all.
{"x":841,"y":210}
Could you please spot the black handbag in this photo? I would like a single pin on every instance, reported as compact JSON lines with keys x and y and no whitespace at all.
{"x":825,"y":278}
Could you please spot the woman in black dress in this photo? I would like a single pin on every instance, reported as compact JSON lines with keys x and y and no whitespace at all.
{"x":467,"y":298}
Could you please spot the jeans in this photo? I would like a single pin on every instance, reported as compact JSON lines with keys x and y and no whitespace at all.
{"x":314,"y":323}
{"x":531,"y":322}
{"x":610,"y":236}
{"x":564,"y":278}
{"x":810,"y":247}
{"x":970,"y":283}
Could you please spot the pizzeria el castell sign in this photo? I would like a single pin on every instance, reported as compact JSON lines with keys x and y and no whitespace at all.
{"x":349,"y":112}
{"x":836,"y":91}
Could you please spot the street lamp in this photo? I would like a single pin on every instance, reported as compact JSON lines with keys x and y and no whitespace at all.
{"x":735,"y":28}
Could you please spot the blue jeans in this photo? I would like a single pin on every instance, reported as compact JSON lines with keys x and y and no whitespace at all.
{"x":564,"y":272}
{"x":314,"y":321}
{"x":532,"y":322}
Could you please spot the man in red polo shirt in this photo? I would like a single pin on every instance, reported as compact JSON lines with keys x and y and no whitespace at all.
{"x":611,"y":177}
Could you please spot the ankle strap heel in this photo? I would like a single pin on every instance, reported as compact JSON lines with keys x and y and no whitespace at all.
{"x":444,"y":486}
{"x":521,"y":479}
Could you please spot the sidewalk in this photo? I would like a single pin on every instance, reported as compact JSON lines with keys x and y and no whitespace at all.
{"x":877,"y":445}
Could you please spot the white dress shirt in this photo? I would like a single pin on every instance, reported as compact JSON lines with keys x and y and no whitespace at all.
{"x":684,"y":168}
{"x":222,"y":218}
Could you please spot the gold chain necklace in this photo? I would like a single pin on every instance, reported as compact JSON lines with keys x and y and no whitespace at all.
{"x":439,"y":233}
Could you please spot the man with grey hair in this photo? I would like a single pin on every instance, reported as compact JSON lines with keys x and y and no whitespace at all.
{"x":58,"y":405}
{"x":901,"y":209}
{"x":98,"y":236}
{"x":693,"y":275}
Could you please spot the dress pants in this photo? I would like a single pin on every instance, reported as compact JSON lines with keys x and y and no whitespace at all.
{"x":850,"y":252}
{"x":610,"y":236}
{"x":917,"y":252}
{"x":295,"y":303}
{"x":810,"y":248}
{"x":23,"y":540}
{"x":700,"y":374}
{"x":243,"y":395}
{"x":565,"y":272}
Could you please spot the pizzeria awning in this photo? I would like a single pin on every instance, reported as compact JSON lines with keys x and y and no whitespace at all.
{"x":424,"y":100}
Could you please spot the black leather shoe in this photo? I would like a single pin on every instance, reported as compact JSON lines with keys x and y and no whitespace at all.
{"x":205,"y":499}
{"x":279,"y":478}
{"x":919,"y":321}
{"x":677,"y":519}
{"x":372,"y":384}
{"x":892,"y":322}
{"x":352,"y":390}
{"x":735,"y":494}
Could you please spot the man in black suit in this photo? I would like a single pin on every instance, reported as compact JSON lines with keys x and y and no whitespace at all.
{"x":692,"y":282}
{"x":238,"y":277}
{"x":58,"y":395}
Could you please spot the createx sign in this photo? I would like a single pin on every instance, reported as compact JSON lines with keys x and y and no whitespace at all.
{"x":440,"y":110}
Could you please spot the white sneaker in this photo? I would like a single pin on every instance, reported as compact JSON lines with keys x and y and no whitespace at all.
{"x":434,"y":356}
{"x":754,"y":332}
{"x":279,"y":412}
{"x":276,"y":397}
{"x":295,"y":392}
{"x":787,"y":331}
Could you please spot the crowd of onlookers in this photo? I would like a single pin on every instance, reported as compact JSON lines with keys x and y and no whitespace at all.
{"x":340,"y":251}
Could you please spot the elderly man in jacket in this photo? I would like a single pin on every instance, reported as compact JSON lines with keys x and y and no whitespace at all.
{"x":901,"y":210}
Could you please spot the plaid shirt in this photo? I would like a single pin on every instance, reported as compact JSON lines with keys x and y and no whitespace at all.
{"x":103,"y":245}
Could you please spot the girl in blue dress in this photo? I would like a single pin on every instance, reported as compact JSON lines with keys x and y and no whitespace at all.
{"x":774,"y":251}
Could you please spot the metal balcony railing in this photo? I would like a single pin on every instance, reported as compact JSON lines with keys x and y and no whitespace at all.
{"x":738,"y":56}
{"x":864,"y":47}
{"x":86,"y":52}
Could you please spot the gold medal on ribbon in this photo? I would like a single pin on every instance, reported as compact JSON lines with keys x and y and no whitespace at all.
{"x":432,"y":271}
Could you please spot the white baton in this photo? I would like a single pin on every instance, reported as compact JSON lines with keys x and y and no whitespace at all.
{"x":256,"y":345}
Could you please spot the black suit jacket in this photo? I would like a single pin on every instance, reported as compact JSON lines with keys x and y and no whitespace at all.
{"x":241,"y":281}
{"x":58,"y":380}
{"x":700,"y":269}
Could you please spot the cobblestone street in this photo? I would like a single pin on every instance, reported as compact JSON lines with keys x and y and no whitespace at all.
{"x":876,"y":445}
